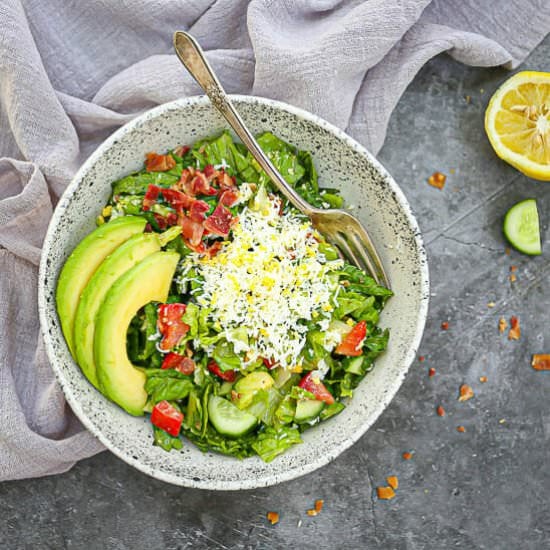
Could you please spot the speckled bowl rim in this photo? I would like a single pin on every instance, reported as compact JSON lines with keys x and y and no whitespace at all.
{"x":301,"y":469}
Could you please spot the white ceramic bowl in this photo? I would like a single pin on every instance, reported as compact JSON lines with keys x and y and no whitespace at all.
{"x":341,"y":162}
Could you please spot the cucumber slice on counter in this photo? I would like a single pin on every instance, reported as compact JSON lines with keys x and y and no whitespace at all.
{"x":521,"y":227}
{"x":228,"y":419}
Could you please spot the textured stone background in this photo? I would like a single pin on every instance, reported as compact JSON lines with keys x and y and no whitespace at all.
{"x":486,"y":488}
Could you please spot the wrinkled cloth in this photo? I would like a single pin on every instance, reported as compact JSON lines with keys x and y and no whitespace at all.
{"x":73,"y":72}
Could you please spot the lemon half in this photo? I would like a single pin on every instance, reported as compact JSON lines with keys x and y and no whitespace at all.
{"x":517,"y":122}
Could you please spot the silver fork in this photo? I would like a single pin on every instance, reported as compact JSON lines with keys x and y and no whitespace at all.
{"x":338,"y":226}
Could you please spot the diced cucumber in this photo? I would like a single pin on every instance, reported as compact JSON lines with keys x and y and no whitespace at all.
{"x":227,"y":419}
{"x":355,"y":365}
{"x":308,"y":409}
{"x":521,"y":227}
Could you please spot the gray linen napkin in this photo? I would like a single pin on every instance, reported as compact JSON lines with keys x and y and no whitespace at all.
{"x":71,"y":73}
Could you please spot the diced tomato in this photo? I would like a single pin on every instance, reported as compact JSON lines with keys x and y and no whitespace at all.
{"x":269,"y":363}
{"x":182,"y":150}
{"x":214,"y":368}
{"x":150,"y":197}
{"x":198,"y":210}
{"x":171,"y":325}
{"x":220,"y":221}
{"x":166,"y":417}
{"x":353,"y":341}
{"x":178,"y":362}
{"x":158,"y":163}
{"x":314,"y":385}
{"x":229,"y":197}
{"x":191,"y":230}
{"x":161,"y":221}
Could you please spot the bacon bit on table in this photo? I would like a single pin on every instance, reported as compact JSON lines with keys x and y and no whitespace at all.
{"x":513,"y":268}
{"x":317,"y":507}
{"x":421,"y":358}
{"x":159,"y":163}
{"x":515,"y":330}
{"x":466,"y":393}
{"x":483,"y":379}
{"x":393,"y":482}
{"x":502,"y":325}
{"x":273,"y":517}
{"x":541,"y":361}
{"x":440,"y":411}
{"x":460,"y":429}
{"x":385,"y":493}
{"x":181,"y":150}
{"x":513,"y":278}
{"x":431,"y":372}
{"x":406,"y":455}
{"x":437,"y":179}
{"x":445,"y":325}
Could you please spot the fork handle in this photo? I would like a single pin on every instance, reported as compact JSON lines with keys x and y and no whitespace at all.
{"x":192,"y":56}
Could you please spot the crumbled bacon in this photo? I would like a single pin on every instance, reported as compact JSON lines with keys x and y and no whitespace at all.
{"x":437,"y":179}
{"x":483,"y":379}
{"x":385,"y":493}
{"x":161,"y":221}
{"x":407,"y":456}
{"x":209,"y":171}
{"x":541,"y":361}
{"x":200,"y":185}
{"x":214,"y":248}
{"x":445,"y":325}
{"x":159,"y":163}
{"x":465,"y":392}
{"x":224,"y":180}
{"x":515,"y":330}
{"x":229,"y":197}
{"x":273,"y":517}
{"x":421,"y":358}
{"x":460,"y":429}
{"x":502,"y":325}
{"x":176,"y":199}
{"x":198,"y":210}
{"x":182,"y":150}
{"x":192,"y":231}
{"x":150,"y":197}
{"x":440,"y":411}
{"x":431,"y":372}
{"x":220,"y":221}
{"x":393,"y":482}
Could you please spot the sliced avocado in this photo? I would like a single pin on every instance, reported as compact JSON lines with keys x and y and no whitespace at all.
{"x":83,"y":262}
{"x":114,"y":266}
{"x":147,"y":281}
{"x":308,"y":409}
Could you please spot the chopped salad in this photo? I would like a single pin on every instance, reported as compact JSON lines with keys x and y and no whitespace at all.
{"x":266,"y":330}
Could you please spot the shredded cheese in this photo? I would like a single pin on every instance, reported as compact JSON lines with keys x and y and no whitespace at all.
{"x":269,"y":278}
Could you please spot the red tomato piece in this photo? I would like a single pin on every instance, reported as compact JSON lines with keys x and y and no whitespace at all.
{"x":198,"y":210}
{"x":182,"y":150}
{"x":158,"y":163}
{"x":171,"y":325}
{"x":166,"y":417}
{"x":312,"y":384}
{"x":214,"y":368}
{"x":353,"y":341}
{"x":178,"y":362}
{"x":150,"y":197}
{"x":220,"y":221}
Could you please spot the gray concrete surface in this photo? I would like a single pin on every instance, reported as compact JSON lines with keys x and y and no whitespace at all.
{"x":485,"y":488}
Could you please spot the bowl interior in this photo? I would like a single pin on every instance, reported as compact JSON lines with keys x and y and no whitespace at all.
{"x":341,"y":163}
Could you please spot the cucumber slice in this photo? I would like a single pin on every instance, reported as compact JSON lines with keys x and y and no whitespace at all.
{"x":308,"y":409}
{"x":521,"y":227}
{"x":227,"y":419}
